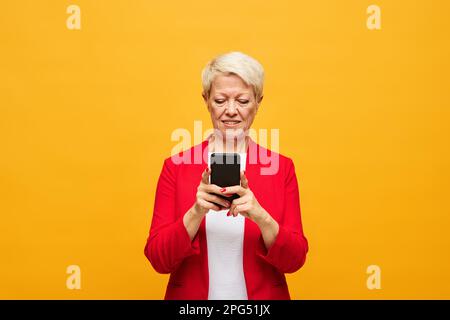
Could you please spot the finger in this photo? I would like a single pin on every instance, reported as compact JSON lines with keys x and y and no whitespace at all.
{"x":205,"y":176}
{"x":216,"y":199}
{"x":234,"y":189}
{"x":241,"y":200}
{"x":232,"y":207}
{"x":235,"y":211}
{"x":208,"y":205}
{"x":212,"y":188}
{"x":244,"y":181}
{"x":239,"y":208}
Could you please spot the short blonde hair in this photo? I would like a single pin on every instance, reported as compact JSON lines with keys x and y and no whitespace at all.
{"x":238,"y":63}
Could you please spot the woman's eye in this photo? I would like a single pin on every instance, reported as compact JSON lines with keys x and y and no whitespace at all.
{"x":243,"y":101}
{"x":219,"y":101}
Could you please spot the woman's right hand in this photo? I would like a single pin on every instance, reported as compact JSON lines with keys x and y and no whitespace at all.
{"x":206,"y":197}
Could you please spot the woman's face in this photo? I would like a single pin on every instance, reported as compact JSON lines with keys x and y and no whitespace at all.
{"x":232,"y":105}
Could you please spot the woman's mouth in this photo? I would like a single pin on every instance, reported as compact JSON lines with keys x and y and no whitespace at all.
{"x":231,"y":123}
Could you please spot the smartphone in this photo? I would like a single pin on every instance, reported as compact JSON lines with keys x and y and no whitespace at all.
{"x":226,"y":171}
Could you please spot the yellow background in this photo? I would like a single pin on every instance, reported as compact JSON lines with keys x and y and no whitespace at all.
{"x":86,"y":118}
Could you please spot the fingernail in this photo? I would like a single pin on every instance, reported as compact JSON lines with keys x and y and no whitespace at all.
{"x":223,"y":189}
{"x":207,"y":169}
{"x":228,"y":213}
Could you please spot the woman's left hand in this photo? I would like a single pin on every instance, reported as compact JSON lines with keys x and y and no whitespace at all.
{"x":247,"y":205}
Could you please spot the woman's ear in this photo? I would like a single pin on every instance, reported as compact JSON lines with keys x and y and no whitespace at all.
{"x":205,"y":98}
{"x":260,"y":99}
{"x":257,"y":104}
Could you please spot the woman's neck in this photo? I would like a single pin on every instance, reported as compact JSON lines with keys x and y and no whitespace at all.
{"x":219,"y":145}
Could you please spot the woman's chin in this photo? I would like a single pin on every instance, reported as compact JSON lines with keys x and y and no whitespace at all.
{"x":232,"y":133}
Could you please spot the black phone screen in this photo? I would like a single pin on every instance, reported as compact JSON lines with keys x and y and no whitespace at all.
{"x":226,"y":171}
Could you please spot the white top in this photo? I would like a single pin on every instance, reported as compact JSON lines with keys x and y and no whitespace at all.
{"x":225,"y":243}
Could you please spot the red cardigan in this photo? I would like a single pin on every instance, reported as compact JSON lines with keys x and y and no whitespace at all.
{"x":170,"y":250}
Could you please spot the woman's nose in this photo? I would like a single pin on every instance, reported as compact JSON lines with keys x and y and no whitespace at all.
{"x":231,"y":108}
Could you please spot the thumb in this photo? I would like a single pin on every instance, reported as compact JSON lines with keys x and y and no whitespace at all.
{"x":244,"y":181}
{"x":205,"y":176}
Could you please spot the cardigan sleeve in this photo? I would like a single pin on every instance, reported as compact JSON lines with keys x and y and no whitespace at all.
{"x":168,"y":243}
{"x":288,"y":252}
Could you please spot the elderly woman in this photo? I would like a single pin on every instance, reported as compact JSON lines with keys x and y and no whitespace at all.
{"x":218,"y":249}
